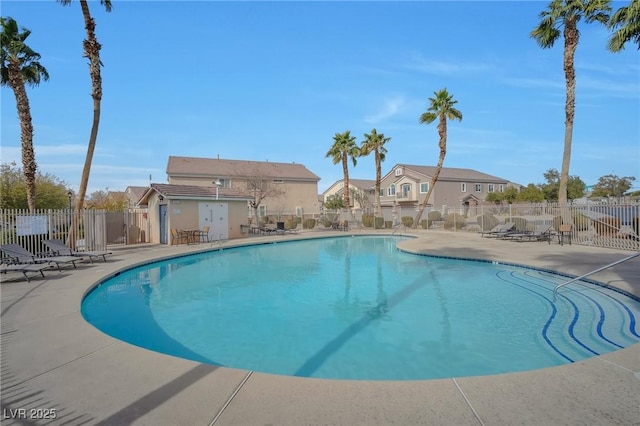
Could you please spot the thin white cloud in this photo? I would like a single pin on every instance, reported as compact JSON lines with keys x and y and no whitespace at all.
{"x":388,"y":108}
{"x":417,"y":62}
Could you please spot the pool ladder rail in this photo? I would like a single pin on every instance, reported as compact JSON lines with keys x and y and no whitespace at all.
{"x":617,"y":262}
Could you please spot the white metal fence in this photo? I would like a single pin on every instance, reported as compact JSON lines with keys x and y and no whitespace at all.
{"x":85,"y":231}
{"x":614,"y":226}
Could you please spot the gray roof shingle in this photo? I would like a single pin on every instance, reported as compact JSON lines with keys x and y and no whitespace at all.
{"x":220,"y":168}
{"x":454,"y":174}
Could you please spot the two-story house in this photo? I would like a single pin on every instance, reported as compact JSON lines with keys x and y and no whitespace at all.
{"x":281,"y":189}
{"x":405,"y":186}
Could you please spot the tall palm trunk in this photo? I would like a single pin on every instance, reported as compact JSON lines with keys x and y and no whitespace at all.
{"x":345,"y":170}
{"x":26,"y":132}
{"x":571,"y":36}
{"x":442,"y":143}
{"x":91,"y":52}
{"x":378,"y":179}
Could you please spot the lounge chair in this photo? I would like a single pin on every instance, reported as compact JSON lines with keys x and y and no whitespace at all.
{"x":59,"y":248}
{"x":500,"y":230}
{"x":21,"y":255}
{"x":24,"y":268}
{"x":540,"y":233}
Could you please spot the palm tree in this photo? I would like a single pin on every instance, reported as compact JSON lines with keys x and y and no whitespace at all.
{"x":374,"y":142}
{"x":442,"y":108}
{"x":567,"y":14}
{"x":625,"y":24}
{"x":20,"y":67}
{"x":91,"y":52}
{"x":344,"y":146}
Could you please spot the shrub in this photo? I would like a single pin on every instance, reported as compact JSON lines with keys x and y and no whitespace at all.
{"x":309,"y":223}
{"x":407,"y":221}
{"x":367,"y":220}
{"x":379,"y":222}
{"x":434,"y":215}
{"x":488,"y":221}
{"x":425,"y":223}
{"x":454,"y":220}
{"x":290,"y":224}
{"x":388,"y":224}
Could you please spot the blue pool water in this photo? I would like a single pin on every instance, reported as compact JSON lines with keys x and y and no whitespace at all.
{"x":357,"y":308}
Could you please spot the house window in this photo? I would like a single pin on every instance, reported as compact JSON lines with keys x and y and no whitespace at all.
{"x":399,"y":171}
{"x":463,"y":187}
{"x":406,"y":190}
{"x":262,"y":211}
{"x":299,"y":211}
{"x":224,"y":183}
{"x":424,"y":187}
{"x":391,"y":190}
{"x":501,"y":188}
{"x":478,"y":187}
{"x":490,"y":187}
{"x":381,"y":192}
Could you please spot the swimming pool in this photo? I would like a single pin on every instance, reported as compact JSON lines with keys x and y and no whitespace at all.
{"x":357,"y":308}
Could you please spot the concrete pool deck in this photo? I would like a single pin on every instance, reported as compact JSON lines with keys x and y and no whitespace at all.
{"x":51,"y":359}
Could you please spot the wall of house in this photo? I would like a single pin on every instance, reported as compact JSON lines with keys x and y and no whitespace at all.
{"x":295,"y":194}
{"x":338,"y":189}
{"x":446,"y":192}
{"x":183,"y":214}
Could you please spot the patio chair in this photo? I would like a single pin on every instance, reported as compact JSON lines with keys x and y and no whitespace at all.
{"x":178,"y":236}
{"x":202,"y":235}
{"x":21,"y":255}
{"x":24,"y":268}
{"x":499,"y":230}
{"x":59,"y":248}
{"x":564,"y":232}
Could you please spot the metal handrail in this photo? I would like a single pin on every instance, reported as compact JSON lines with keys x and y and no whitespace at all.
{"x":555,"y":289}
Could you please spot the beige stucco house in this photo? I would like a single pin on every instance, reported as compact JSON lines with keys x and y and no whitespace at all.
{"x":191,"y":207}
{"x":290,"y":189}
{"x":405,"y":186}
{"x":364,"y":187}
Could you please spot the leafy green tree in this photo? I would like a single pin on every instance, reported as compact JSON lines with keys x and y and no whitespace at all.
{"x":374,"y":142}
{"x":92,"y":52}
{"x":334,"y":202}
{"x":550,"y":189}
{"x":20,"y":67}
{"x":495,"y":197}
{"x":344,"y":147}
{"x":51,"y":192}
{"x":509,"y":195}
{"x":567,"y":14}
{"x":531,"y":193}
{"x":612,"y":186}
{"x":625,"y":25}
{"x":441,"y":107}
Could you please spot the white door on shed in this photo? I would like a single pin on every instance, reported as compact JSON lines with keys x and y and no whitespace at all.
{"x":215,"y":215}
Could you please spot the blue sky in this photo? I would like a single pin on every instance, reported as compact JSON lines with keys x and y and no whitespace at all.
{"x":276,"y":80}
